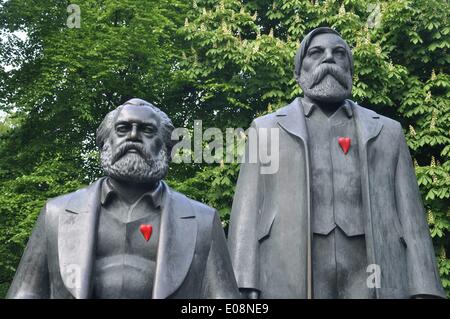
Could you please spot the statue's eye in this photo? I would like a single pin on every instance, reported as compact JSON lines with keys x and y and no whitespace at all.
{"x":148,"y":129}
{"x":314,"y":52}
{"x":340,"y":52}
{"x":122,"y":128}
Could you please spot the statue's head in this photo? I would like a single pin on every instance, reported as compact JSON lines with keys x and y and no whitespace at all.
{"x":135,"y":142}
{"x":324,"y":66}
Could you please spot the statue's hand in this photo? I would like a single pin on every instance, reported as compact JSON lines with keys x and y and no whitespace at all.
{"x":249,"y":293}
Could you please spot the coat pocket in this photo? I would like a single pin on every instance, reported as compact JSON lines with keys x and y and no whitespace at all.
{"x":403,"y":241}
{"x":265,"y":225}
{"x":399,"y":231}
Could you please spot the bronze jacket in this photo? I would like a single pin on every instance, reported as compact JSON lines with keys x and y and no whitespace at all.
{"x":192,"y":259}
{"x":270,"y":230}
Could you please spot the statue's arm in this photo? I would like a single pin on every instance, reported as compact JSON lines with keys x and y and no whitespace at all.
{"x":242,"y":235}
{"x":31,"y":280}
{"x":219,"y":281}
{"x":423,"y":276}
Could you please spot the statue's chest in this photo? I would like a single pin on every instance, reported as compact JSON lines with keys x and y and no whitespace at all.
{"x":125,"y":260}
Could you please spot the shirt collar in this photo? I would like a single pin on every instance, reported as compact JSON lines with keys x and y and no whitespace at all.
{"x":308,"y":108}
{"x":155,"y":195}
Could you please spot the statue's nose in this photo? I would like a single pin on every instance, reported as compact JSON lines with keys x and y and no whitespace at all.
{"x":329,"y":58}
{"x":134,"y":134}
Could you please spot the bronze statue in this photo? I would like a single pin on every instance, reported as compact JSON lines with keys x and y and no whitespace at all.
{"x":128,"y":235}
{"x":342,"y":217}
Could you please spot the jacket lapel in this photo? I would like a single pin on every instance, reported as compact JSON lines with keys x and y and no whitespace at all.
{"x":76,"y":239}
{"x":368,"y":127}
{"x":178,"y":236}
{"x":367,"y":123}
{"x":292,"y":120}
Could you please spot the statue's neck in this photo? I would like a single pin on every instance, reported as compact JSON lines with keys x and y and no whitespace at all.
{"x":328,"y":108}
{"x":131,"y":191}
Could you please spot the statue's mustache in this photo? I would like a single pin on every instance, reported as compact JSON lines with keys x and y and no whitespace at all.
{"x":332,"y":69}
{"x":124,"y":148}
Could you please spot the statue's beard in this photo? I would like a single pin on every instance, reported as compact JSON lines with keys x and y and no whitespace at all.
{"x":328,"y":83}
{"x":137,"y":167}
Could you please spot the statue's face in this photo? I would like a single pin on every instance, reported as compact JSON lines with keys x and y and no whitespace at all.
{"x":136,"y":126}
{"x":325,"y":73}
{"x":135,"y":150}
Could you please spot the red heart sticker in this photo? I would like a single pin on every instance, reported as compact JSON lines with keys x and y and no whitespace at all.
{"x":344,"y":142}
{"x":146,"y":231}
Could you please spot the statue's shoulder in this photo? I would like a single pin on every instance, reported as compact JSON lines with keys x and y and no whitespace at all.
{"x":388,"y":123}
{"x":201,"y":209}
{"x":271,"y":119}
{"x":59,"y":203}
{"x":62,"y":200}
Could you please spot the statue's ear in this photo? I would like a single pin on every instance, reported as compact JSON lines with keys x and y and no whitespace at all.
{"x":296,"y":76}
{"x":297,"y":65}
{"x":98,"y":140}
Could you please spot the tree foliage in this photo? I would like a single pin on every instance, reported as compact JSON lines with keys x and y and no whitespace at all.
{"x":224,"y":62}
{"x":62,"y":83}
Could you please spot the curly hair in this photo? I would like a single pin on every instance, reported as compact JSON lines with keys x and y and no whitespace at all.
{"x":106,"y":125}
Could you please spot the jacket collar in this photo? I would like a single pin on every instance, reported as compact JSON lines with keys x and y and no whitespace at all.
{"x":292,"y":119}
{"x":367,"y":121}
{"x":77,"y":234}
{"x":108,"y":191}
{"x":309,"y":108}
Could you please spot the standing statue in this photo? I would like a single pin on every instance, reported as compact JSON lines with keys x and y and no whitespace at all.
{"x":128,"y":235}
{"x":342,"y":217}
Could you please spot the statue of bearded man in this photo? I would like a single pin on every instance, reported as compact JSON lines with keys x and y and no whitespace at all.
{"x":128,"y":235}
{"x":343,"y":216}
